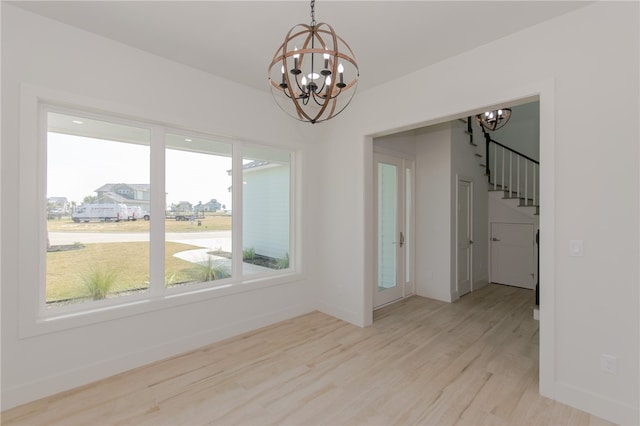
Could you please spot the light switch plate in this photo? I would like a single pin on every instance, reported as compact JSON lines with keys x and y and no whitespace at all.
{"x":576,"y":248}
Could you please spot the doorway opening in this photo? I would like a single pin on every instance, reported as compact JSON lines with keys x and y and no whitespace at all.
{"x":455,"y":209}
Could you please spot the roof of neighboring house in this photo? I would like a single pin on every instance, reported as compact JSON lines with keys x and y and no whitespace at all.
{"x":256,"y":165}
{"x":58,"y":199}
{"x":137,"y":186}
{"x":120,"y":199}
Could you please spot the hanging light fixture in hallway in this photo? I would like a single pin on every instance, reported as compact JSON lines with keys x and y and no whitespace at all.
{"x":493,"y":120}
{"x":313,"y":74}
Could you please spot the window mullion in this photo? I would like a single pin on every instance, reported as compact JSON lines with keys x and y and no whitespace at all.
{"x":157,"y":223}
{"x":236,"y":221}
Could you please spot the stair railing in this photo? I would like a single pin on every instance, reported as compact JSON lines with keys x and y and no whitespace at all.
{"x":516,"y":173}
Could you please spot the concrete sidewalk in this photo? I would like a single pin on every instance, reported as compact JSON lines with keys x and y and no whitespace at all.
{"x":202,"y":256}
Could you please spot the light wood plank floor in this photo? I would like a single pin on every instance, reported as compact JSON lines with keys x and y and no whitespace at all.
{"x":472,"y":362}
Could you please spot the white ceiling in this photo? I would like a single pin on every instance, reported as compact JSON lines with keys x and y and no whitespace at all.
{"x":237,"y":39}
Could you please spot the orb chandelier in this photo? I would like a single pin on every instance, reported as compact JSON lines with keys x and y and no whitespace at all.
{"x":493,"y":120}
{"x":313,"y":74}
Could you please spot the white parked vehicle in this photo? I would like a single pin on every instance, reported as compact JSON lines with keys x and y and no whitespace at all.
{"x":136,"y":212}
{"x":101,"y":213}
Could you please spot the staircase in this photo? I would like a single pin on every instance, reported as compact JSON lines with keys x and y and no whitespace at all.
{"x":513,"y":177}
{"x":514,"y":180}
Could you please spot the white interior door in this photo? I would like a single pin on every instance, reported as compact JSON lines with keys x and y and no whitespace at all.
{"x":512,"y":254}
{"x":389,"y":178}
{"x":464,"y":232}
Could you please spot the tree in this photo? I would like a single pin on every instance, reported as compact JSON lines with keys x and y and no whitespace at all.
{"x":90,"y":199}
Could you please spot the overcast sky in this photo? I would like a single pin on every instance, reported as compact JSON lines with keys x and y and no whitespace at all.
{"x":77,"y":166}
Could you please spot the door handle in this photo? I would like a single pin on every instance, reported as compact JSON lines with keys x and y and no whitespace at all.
{"x":401,"y":239}
{"x":494,"y":239}
{"x":470,"y":241}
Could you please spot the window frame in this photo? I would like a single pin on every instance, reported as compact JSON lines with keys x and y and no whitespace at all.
{"x":35,"y":317}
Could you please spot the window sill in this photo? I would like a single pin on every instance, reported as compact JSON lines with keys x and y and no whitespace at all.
{"x":145,"y":303}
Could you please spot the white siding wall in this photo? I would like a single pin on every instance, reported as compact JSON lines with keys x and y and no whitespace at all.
{"x":265,"y":211}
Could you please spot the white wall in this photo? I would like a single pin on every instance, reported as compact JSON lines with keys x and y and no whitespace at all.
{"x":466,"y":165}
{"x":434,"y":276}
{"x":576,"y":63}
{"x":63,"y":61}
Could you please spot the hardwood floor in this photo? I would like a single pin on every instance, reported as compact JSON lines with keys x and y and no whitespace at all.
{"x":472,"y":362}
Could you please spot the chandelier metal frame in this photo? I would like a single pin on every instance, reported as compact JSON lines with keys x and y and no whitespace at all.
{"x":311,"y":83}
{"x":493,"y":120}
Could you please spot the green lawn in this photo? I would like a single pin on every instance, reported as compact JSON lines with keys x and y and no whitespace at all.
{"x":208,"y":223}
{"x":130,"y":260}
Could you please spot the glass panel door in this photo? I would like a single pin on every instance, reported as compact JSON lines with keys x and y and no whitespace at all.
{"x":390,"y":240}
{"x":387,"y":225}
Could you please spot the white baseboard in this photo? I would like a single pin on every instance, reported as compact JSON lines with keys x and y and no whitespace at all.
{"x":597,"y":405}
{"x":477,"y":285}
{"x":70,"y":379}
{"x":344,"y":315}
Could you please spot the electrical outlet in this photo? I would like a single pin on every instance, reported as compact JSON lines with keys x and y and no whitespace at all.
{"x":609,"y":364}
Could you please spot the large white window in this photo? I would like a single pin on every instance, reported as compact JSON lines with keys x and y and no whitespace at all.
{"x":135,"y":211}
{"x":98,"y":187}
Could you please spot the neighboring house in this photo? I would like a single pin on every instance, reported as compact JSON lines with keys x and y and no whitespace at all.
{"x":211,"y":206}
{"x":265,"y":207}
{"x":59,"y":205}
{"x":133,"y":195}
{"x":182,"y":207}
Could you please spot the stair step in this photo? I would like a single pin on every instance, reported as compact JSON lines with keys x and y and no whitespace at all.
{"x":474,"y":144}
{"x":468,"y":132}
{"x":483,"y":165}
{"x":522,"y":202}
{"x":478,"y":155}
{"x":498,"y":188}
{"x":464,"y":120}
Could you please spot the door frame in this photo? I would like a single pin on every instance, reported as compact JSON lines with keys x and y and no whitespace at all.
{"x":462,"y":178}
{"x":464,"y":106}
{"x":406,"y":224}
